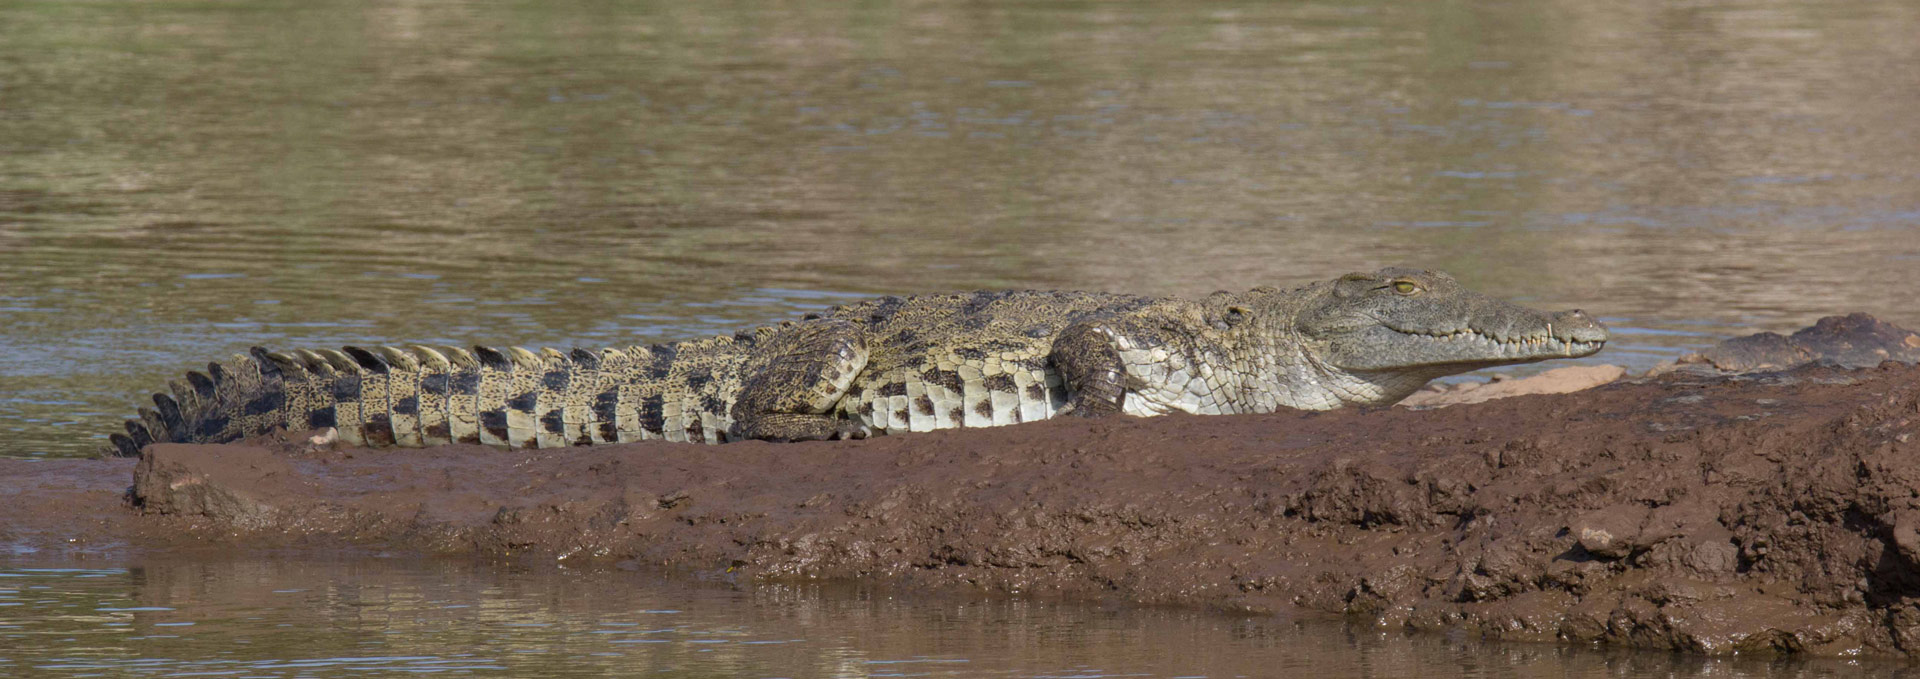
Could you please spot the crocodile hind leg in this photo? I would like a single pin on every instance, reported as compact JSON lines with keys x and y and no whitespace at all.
{"x":793,"y":384}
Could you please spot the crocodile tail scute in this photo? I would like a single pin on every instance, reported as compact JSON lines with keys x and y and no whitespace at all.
{"x":227,"y":402}
{"x":418,"y":396}
{"x":383,"y":396}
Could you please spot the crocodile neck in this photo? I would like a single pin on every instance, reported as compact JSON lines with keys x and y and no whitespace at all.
{"x":1288,"y":370}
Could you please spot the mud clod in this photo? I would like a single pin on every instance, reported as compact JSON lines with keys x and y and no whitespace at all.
{"x":1852,"y":341}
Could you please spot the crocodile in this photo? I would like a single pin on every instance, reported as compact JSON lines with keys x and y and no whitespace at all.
{"x":888,"y":365}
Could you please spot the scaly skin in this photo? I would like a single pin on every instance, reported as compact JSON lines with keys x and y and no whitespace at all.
{"x":890,"y":365}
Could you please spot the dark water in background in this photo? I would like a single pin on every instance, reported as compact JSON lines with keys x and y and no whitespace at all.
{"x":180,"y":180}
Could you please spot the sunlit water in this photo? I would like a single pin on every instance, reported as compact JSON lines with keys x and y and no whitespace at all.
{"x":181,"y":180}
{"x":387,"y":618}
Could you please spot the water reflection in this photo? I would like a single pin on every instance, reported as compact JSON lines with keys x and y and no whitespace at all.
{"x":358,"y":617}
{"x":181,"y":180}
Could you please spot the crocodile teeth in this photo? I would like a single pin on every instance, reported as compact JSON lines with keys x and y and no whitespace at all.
{"x":1532,"y":345}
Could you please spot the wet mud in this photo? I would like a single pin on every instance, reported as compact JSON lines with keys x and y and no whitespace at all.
{"x":1852,"y":341}
{"x":1769,"y":513}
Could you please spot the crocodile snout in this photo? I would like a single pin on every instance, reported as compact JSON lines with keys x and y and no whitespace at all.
{"x":1577,"y":326}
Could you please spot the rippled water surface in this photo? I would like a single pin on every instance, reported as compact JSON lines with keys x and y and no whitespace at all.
{"x":383,"y":618}
{"x":181,"y":180}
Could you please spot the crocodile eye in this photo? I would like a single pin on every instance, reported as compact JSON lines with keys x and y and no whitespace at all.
{"x":1405,"y":287}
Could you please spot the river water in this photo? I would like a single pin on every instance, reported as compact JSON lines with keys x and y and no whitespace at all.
{"x":182,"y":180}
{"x":387,"y":617}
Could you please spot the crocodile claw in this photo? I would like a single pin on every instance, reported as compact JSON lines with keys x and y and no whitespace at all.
{"x":853,"y":430}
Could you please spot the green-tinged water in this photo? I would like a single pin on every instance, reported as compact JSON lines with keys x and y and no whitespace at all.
{"x":181,"y":180}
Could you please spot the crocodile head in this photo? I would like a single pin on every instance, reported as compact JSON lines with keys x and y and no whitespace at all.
{"x":1396,"y":326}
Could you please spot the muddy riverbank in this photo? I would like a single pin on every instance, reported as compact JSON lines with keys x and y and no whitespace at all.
{"x":1776,"y":513}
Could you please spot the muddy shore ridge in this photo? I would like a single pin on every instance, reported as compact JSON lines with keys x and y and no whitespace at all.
{"x":1703,"y":508}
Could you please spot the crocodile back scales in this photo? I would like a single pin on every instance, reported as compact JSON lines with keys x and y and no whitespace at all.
{"x":964,"y":360}
{"x":418,"y":396}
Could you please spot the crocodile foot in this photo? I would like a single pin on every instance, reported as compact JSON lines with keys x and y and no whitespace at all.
{"x":852,"y":429}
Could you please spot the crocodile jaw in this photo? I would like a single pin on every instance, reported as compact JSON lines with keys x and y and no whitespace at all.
{"x":1468,"y":349}
{"x":1375,"y":338}
{"x":1524,"y":336}
{"x":1410,"y":360}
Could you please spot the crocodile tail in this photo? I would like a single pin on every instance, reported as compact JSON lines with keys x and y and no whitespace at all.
{"x":388,"y":396}
{"x":214,"y":406}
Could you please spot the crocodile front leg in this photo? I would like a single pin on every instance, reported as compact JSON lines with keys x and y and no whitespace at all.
{"x":1144,"y":361}
{"x":796,"y":378}
{"x":1088,"y":358}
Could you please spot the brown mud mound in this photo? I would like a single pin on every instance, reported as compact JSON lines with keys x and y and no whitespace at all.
{"x":1774,"y":512}
{"x":65,"y":509}
{"x":1855,"y":340}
